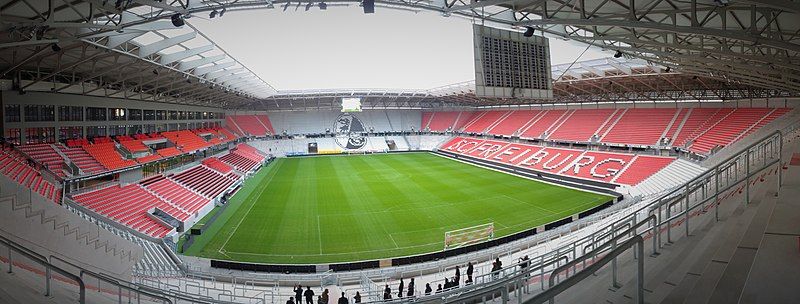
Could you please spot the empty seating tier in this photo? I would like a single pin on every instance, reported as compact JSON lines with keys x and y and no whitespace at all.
{"x":589,"y":165}
{"x":129,"y":205}
{"x":442,"y":121}
{"x":204,"y":181}
{"x":580,"y":125}
{"x":185,"y":140}
{"x":216,"y":164}
{"x":251,"y":124}
{"x":47,"y":155}
{"x":82,"y":159}
{"x":640,"y":126}
{"x":483,"y":122}
{"x":176,"y":194}
{"x":134,"y":145}
{"x":16,"y":167}
{"x":726,"y":130}
{"x":106,"y":153}
{"x":168,"y":152}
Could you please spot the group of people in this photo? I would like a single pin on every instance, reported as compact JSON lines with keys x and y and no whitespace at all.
{"x":402,"y":291}
{"x":387,"y":291}
{"x":308,"y":294}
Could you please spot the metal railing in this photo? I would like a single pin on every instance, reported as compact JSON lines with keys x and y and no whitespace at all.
{"x":49,"y":268}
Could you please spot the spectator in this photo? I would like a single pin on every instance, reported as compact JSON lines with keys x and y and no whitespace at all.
{"x":400,"y":289}
{"x":298,"y":294}
{"x":446,"y":283}
{"x":524,"y":262}
{"x":439,"y":288}
{"x":469,"y":272}
{"x":290,"y":301}
{"x":457,"y":279}
{"x":323,"y":299}
{"x":496,"y":267}
{"x":343,"y":300}
{"x":428,"y":289}
{"x":411,"y":288}
{"x":387,"y":293}
{"x":357,"y":298}
{"x":309,"y":294}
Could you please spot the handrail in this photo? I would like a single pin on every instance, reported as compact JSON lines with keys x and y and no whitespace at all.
{"x":39,"y":259}
{"x":553,"y":291}
{"x":108,"y":279}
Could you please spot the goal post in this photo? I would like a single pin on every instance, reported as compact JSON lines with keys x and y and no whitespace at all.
{"x":469,"y":235}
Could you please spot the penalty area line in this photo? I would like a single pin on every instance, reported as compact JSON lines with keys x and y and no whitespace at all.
{"x":235,"y":228}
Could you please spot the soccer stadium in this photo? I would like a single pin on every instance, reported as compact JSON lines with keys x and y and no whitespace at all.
{"x":391,"y":151}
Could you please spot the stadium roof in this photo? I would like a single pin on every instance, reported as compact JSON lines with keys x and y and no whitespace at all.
{"x":715,"y":50}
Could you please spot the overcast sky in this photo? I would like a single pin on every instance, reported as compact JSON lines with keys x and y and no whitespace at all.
{"x":342,"y":47}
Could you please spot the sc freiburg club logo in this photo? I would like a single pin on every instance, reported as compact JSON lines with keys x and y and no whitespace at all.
{"x":348,"y":130}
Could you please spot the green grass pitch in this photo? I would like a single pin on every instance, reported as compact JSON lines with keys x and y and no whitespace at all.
{"x":351,"y":208}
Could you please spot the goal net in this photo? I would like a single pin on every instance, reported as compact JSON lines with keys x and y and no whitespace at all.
{"x":469,"y":235}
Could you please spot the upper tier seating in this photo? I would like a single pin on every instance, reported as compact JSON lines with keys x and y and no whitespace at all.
{"x":442,"y":121}
{"x":581,"y":125}
{"x":623,"y":126}
{"x":640,"y":126}
{"x":106,"y":153}
{"x":216,"y":164}
{"x":698,"y":121}
{"x":609,"y":167}
{"x":168,"y":152}
{"x":129,"y":206}
{"x":176,"y":194}
{"x":231,"y":125}
{"x":205,"y":181}
{"x":82,"y":159}
{"x":486,"y":119}
{"x":16,"y":167}
{"x":511,"y":124}
{"x":133,"y":145}
{"x":543,"y":123}
{"x":731,"y":127}
{"x":185,"y":140}
{"x":148,"y":158}
{"x":47,"y":155}
{"x":254,"y":125}
{"x":228,"y":134}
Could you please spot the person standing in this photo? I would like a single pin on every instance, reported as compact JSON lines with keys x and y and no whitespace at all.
{"x":469,"y":272}
{"x":309,"y":294}
{"x":457,"y":279}
{"x":428,"y":289}
{"x":357,"y":298}
{"x":298,"y":294}
{"x":400,"y":289}
{"x":411,"y":288}
{"x":343,"y":300}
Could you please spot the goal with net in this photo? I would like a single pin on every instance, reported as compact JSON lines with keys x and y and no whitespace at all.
{"x":469,"y":235}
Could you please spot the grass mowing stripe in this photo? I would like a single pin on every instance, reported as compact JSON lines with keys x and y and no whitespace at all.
{"x":350,"y":208}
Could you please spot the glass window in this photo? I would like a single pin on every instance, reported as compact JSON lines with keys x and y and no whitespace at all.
{"x":12,"y":114}
{"x":65,"y":133}
{"x":161,"y":115}
{"x":134,"y":114}
{"x":96,"y":131}
{"x":70,"y":113}
{"x":39,"y":135}
{"x":173,"y":115}
{"x":149,"y":115}
{"x":95,"y":114}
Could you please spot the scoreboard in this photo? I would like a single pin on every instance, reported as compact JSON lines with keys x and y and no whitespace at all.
{"x":510,"y":65}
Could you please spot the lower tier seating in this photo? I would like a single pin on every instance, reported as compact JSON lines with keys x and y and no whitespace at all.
{"x":216,"y":164}
{"x":129,"y":206}
{"x":608,"y":167}
{"x":176,"y":194}
{"x":82,"y":159}
{"x":47,"y":155}
{"x":205,"y":181}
